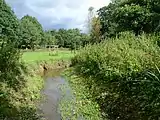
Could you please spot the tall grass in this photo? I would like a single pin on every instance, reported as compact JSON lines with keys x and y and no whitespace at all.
{"x":122,"y":76}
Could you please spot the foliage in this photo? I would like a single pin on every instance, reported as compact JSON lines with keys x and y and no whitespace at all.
{"x":10,"y":67}
{"x":130,"y":15}
{"x":28,"y":32}
{"x":20,"y":105}
{"x":9,"y":24}
{"x":71,"y":38}
{"x":79,"y":105}
{"x":16,"y":102}
{"x":95,"y":31}
{"x":47,"y":39}
{"x":31,"y":30}
{"x":108,"y":23}
{"x":123,"y":76}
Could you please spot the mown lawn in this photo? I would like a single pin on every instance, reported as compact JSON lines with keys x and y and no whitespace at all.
{"x":32,"y":57}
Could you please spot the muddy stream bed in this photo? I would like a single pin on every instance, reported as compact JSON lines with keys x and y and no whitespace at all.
{"x":49,"y":106}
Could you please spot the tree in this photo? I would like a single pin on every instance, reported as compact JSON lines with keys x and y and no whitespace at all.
{"x":32,"y":31}
{"x":95,"y":31}
{"x":59,"y":40}
{"x":130,"y":15}
{"x":48,"y":39}
{"x":9,"y":24}
{"x":9,"y":38}
{"x":53,"y":32}
{"x":133,"y":18}
{"x":107,"y":21}
{"x":10,"y":68}
{"x":71,"y":38}
{"x":85,"y":39}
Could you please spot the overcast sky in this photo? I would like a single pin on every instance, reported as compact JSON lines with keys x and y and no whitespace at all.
{"x":54,"y":14}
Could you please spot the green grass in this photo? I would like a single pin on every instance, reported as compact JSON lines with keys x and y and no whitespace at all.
{"x":32,"y":57}
{"x":80,"y":105}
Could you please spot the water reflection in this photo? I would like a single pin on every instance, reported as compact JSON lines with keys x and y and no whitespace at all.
{"x":52,"y":94}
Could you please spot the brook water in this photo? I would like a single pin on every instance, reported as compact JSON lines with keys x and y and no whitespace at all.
{"x":49,"y":107}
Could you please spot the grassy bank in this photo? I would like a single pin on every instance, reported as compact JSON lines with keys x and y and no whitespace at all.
{"x":80,"y":104}
{"x":20,"y":104}
{"x":122,"y":76}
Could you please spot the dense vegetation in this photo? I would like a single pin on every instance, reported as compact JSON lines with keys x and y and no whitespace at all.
{"x":34,"y":37}
{"x":122,"y":72}
{"x":130,"y":15}
{"x":78,"y":105}
{"x":28,"y":32}
{"x":123,"y":76}
{"x":32,"y":32}
{"x":71,"y":38}
{"x":17,"y":90}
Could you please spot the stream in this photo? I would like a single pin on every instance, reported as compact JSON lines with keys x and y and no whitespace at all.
{"x":52,"y":95}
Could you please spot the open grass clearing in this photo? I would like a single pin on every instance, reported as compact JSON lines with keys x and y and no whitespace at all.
{"x":36,"y":56}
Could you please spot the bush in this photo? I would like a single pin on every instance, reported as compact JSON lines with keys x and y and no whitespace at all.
{"x":123,"y":76}
{"x":17,"y":92}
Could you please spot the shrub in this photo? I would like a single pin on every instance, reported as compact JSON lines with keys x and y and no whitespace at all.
{"x":12,"y":79}
{"x":123,"y":76}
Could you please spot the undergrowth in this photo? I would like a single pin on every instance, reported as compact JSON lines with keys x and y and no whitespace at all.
{"x":21,"y":104}
{"x":122,"y":76}
{"x":79,"y":105}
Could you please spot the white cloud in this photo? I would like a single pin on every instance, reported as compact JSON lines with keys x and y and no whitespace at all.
{"x":67,"y":13}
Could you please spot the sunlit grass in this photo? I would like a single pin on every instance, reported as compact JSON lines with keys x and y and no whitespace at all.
{"x":32,"y":57}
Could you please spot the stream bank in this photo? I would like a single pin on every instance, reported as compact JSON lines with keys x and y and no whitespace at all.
{"x":79,"y":106}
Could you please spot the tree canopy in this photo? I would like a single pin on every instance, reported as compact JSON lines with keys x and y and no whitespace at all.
{"x":130,"y":15}
{"x":32,"y":31}
{"x":9,"y":24}
{"x":33,"y":34}
{"x":71,"y":38}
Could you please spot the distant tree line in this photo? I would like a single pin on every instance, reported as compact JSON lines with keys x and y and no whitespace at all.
{"x":71,"y":38}
{"x":33,"y":34}
{"x":27,"y":32}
